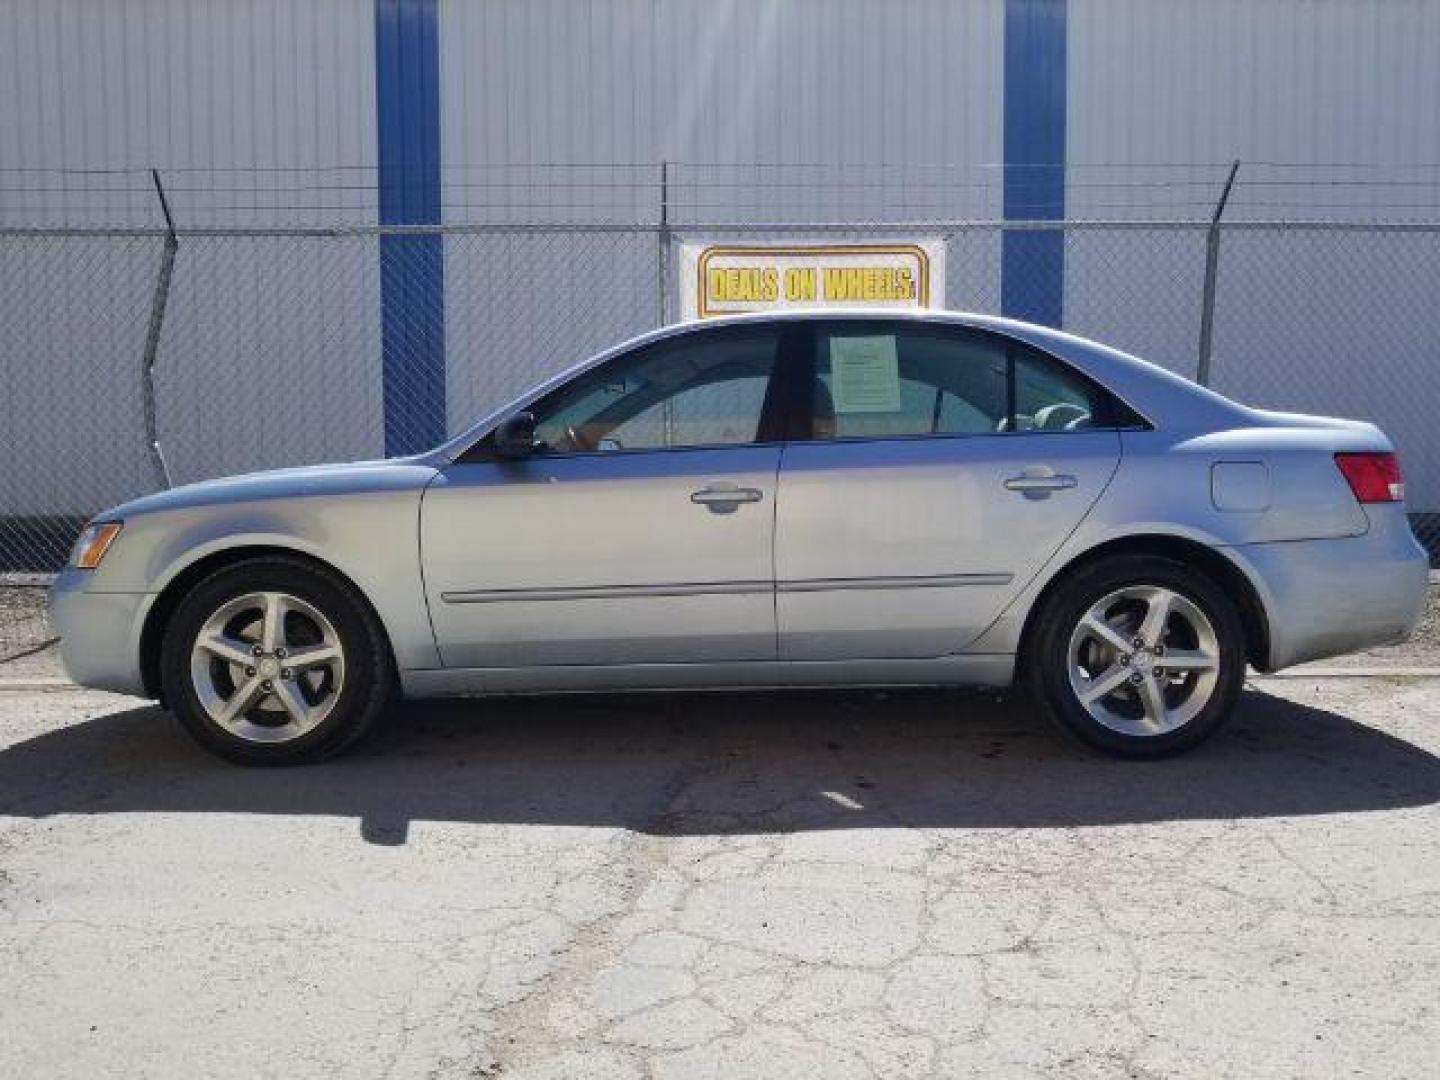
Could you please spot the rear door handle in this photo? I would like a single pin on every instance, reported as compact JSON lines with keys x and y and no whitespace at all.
{"x":723,"y":497}
{"x":1038,"y":481}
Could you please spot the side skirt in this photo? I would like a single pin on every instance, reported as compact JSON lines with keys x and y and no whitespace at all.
{"x":979,"y":669}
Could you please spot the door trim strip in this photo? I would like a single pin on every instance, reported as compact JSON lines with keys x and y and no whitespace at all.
{"x":935,"y":581}
{"x":719,"y":588}
{"x":606,"y":592}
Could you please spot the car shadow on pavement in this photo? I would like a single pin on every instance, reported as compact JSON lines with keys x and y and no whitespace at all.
{"x":732,"y":764}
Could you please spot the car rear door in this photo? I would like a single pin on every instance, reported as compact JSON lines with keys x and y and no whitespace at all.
{"x":945,"y":465}
{"x":642,"y":531}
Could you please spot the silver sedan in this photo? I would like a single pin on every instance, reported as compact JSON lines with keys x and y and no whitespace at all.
{"x":806,"y":499}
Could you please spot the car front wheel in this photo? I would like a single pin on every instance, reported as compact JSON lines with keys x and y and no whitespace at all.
{"x":1141,"y":657}
{"x":275,"y":661}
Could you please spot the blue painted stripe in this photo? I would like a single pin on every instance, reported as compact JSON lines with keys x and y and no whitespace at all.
{"x":412,"y":268}
{"x":1032,"y":263}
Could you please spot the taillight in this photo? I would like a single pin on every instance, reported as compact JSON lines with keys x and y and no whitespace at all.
{"x":1373,"y":477}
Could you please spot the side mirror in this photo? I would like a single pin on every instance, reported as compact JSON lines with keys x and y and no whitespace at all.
{"x":515,"y":437}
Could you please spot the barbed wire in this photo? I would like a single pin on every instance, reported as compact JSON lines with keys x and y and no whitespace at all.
{"x":631,"y":192}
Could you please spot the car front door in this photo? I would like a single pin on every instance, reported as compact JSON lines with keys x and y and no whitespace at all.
{"x":944,"y":466}
{"x":640,"y":531}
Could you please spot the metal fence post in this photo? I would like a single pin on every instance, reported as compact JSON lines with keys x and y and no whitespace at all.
{"x":1212,"y":264}
{"x":662,"y":267}
{"x":662,"y":250}
{"x":152,"y":335}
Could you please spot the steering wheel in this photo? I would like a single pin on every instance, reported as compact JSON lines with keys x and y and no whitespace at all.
{"x":1060,"y":416}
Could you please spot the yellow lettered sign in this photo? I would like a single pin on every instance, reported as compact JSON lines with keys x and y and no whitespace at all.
{"x":724,"y":279}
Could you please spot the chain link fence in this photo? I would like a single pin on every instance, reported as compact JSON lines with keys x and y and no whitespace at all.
{"x":270,"y":349}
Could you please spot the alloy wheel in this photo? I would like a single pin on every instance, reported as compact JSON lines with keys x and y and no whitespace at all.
{"x":1144,"y":660}
{"x":267,"y":667}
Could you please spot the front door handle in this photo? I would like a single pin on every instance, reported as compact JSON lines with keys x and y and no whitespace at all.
{"x":1037,"y":481}
{"x":723,"y":497}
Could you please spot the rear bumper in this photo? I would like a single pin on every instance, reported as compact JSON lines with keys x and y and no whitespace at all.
{"x":99,"y":633}
{"x":1328,"y":597}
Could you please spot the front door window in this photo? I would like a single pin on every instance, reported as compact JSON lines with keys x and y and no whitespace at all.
{"x":705,"y":389}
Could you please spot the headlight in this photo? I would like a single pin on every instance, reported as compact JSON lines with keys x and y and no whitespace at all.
{"x":93,"y":543}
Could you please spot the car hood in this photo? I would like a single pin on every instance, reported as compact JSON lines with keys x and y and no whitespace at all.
{"x":310,"y":481}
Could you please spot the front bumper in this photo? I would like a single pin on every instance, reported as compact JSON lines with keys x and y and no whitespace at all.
{"x":1328,"y":597}
{"x":99,"y":633}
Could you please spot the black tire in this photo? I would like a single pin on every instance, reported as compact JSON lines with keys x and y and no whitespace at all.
{"x":1045,"y":665}
{"x":369,"y":675}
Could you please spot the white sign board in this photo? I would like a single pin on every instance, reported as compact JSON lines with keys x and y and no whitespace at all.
{"x":724,"y":278}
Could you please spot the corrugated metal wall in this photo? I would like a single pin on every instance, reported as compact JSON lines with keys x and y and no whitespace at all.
{"x":1329,"y":104}
{"x":812,"y":89}
{"x":260,"y":112}
{"x":223,"y":93}
{"x":1332,"y":108}
{"x":270,"y":84}
{"x":1206,"y":81}
{"x":264,"y":112}
{"x":843,"y":81}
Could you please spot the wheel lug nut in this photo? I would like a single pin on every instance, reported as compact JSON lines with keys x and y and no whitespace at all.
{"x":267,"y":686}
{"x":250,"y":671}
{"x":1157,"y":671}
{"x":1138,"y":642}
{"x":257,"y":651}
{"x":280,"y":654}
{"x":286,"y":673}
{"x":1159,"y":650}
{"x":1137,"y":678}
{"x":1124,"y":659}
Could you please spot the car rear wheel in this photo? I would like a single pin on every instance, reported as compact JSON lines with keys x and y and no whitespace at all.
{"x":1141,"y":657}
{"x":275,"y":661}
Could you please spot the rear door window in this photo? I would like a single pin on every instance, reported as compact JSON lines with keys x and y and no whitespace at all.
{"x":895,"y":380}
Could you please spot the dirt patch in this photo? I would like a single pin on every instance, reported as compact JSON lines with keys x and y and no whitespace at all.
{"x":24,"y":624}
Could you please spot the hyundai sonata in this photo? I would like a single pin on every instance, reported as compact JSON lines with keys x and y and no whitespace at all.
{"x":802,"y":499}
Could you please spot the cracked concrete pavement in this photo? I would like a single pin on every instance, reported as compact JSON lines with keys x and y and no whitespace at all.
{"x":843,"y":885}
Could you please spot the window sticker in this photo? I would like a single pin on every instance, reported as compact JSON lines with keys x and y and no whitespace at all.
{"x":865,"y":374}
